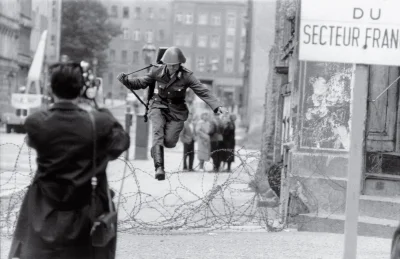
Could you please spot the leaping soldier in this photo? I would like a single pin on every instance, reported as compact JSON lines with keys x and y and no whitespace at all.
{"x":168,"y":110}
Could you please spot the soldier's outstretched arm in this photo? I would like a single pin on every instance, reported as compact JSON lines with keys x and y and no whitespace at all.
{"x":204,"y":93}
{"x":138,"y":82}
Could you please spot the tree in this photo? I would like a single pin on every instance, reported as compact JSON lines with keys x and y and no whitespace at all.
{"x":86,"y":31}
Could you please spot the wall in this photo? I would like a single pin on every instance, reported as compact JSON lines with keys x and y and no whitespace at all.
{"x":262,"y":40}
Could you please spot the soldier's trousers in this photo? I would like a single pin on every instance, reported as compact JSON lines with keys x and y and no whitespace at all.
{"x":165,"y":130}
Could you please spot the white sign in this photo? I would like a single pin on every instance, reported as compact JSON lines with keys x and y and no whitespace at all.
{"x":350,"y":31}
{"x":26,"y":101}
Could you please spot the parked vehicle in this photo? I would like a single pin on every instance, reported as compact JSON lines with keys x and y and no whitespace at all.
{"x":31,"y":97}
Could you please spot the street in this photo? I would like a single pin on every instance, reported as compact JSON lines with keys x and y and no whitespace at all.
{"x":189,"y":215}
{"x":213,"y":245}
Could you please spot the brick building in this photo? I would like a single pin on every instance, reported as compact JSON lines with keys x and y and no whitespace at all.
{"x":212,"y":37}
{"x":142,"y":22}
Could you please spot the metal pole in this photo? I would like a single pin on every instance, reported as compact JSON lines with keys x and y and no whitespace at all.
{"x":128,"y":122}
{"x":356,"y":158}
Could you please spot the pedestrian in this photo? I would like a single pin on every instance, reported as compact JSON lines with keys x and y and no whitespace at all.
{"x":203,"y":139}
{"x":228,"y":143}
{"x":188,"y":138}
{"x":216,"y":142}
{"x":56,"y":215}
{"x":168,"y":109}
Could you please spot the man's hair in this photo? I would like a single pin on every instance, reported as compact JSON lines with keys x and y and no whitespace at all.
{"x":66,"y":80}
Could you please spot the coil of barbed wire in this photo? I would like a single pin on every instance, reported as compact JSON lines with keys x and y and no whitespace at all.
{"x":214,"y":207}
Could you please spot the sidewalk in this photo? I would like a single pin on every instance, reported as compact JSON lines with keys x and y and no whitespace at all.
{"x":225,"y":245}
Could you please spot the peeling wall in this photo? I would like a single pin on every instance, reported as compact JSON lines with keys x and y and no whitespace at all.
{"x":326,"y":92}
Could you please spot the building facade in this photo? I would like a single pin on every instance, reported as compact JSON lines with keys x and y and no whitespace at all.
{"x":21,"y":25}
{"x":212,"y":37}
{"x":142,"y":23}
{"x":307,"y":131}
{"x":9,"y":31}
{"x":46,"y":15}
{"x":24,"y":41}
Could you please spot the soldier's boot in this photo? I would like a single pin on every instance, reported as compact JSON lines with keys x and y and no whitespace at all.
{"x":157,"y":153}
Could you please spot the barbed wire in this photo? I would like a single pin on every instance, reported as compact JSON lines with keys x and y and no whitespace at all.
{"x":217,"y":200}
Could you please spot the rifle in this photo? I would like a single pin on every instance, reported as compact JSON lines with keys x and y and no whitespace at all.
{"x":151,"y":87}
{"x":149,"y":95}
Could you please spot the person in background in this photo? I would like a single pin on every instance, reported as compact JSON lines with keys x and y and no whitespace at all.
{"x":203,"y":139}
{"x":187,"y":137}
{"x":216,"y":142}
{"x":55,"y":217}
{"x":228,"y":143}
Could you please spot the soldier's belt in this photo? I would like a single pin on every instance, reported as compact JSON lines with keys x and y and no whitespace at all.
{"x":170,"y":101}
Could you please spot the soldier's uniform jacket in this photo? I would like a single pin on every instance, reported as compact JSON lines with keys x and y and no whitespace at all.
{"x":170,"y":93}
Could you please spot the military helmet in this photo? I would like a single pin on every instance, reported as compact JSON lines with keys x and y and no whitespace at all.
{"x":173,"y":55}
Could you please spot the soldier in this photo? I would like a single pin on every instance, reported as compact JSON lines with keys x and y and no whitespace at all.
{"x":168,"y":110}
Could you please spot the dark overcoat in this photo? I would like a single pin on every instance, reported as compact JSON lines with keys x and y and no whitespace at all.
{"x":229,"y":142}
{"x":55,"y":216}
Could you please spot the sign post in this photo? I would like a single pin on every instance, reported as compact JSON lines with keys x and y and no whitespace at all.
{"x":355,"y":169}
{"x":357,"y":32}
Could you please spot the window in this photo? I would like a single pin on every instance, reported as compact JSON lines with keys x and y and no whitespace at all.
{"x":53,"y":40}
{"x":125,"y":33}
{"x":136,"y":35}
{"x":150,"y":13}
{"x":178,"y":17}
{"x":161,"y":35}
{"x":231,"y":20}
{"x":149,"y":36}
{"x":229,"y":65}
{"x":244,"y":31}
{"x":230,"y":42}
{"x":216,"y":20}
{"x":203,"y":17}
{"x":112,"y":55}
{"x":201,"y":62}
{"x":135,"y":59}
{"x":178,"y":40}
{"x":214,"y":41}
{"x":241,"y":63}
{"x":138,"y":13}
{"x":214,"y":64}
{"x":54,"y":10}
{"x":110,"y":78}
{"x":202,"y":41}
{"x":114,"y":11}
{"x":125,"y":12}
{"x":189,"y":19}
{"x":188,"y":39}
{"x":163,"y":14}
{"x":124,"y":55}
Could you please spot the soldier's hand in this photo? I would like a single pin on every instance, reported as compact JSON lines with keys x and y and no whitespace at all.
{"x":121,"y":77}
{"x":221,"y":110}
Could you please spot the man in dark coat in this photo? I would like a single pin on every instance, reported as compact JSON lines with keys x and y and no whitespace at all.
{"x":188,"y":139}
{"x":56,"y":214}
{"x":216,"y":142}
{"x":168,"y":110}
{"x":228,"y":143}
